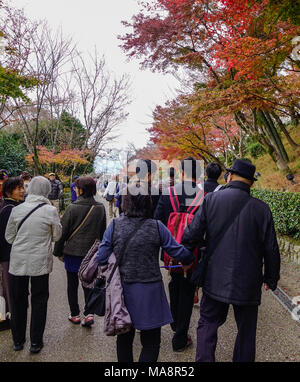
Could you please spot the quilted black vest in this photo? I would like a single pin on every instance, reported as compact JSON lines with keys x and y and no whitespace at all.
{"x":140,"y":263}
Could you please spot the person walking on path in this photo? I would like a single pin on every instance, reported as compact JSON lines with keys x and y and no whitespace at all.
{"x":213,"y":171}
{"x":109,"y":195}
{"x":56,"y":191}
{"x":73,"y":191}
{"x":143,"y":288}
{"x":13,"y":193}
{"x":243,"y":254}
{"x":83,"y":222}
{"x":120,"y":188}
{"x":181,"y":290}
{"x":31,"y":229}
{"x":145,"y":172}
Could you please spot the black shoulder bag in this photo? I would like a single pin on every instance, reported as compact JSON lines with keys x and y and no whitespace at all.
{"x":96,"y":299}
{"x":27,"y":216}
{"x":198,"y":275}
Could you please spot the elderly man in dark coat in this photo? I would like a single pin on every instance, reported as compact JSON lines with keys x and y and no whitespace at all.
{"x":239,"y":235}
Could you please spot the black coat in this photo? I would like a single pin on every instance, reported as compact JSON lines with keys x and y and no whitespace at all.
{"x":235,"y":271}
{"x":186,"y":193}
{"x":56,"y":190}
{"x":210,"y":185}
{"x":5,"y":210}
{"x":92,"y":229}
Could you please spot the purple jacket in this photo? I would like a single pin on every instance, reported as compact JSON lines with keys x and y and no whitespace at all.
{"x":117,"y":319}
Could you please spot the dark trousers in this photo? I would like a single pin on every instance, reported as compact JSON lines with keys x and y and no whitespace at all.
{"x":212,"y":315}
{"x":150,"y":340}
{"x":4,"y":266}
{"x":181,"y":303}
{"x":19,"y":292}
{"x":73,"y":284}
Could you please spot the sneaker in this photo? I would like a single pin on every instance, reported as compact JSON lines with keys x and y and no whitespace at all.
{"x":74,"y":319}
{"x":188,"y":343}
{"x":88,"y":321}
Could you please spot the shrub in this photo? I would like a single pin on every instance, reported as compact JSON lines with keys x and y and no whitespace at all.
{"x":255,"y":149}
{"x":285,"y":207}
{"x":12,"y":155}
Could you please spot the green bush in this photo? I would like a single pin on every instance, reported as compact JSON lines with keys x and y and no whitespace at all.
{"x":12,"y":155}
{"x":285,"y":207}
{"x":255,"y":149}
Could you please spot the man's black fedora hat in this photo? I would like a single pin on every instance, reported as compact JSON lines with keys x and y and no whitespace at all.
{"x":243,"y":168}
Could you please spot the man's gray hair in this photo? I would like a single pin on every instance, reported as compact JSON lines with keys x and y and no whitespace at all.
{"x":39,"y":185}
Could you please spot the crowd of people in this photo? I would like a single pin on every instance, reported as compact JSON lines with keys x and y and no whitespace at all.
{"x":235,"y":229}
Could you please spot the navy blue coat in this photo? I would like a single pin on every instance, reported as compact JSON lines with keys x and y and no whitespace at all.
{"x":248,"y":253}
{"x":210,"y":185}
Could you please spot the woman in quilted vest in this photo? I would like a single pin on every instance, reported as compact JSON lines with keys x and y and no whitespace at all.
{"x":143,"y":288}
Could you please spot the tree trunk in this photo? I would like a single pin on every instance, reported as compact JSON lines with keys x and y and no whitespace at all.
{"x":292,"y":143}
{"x":279,"y":152}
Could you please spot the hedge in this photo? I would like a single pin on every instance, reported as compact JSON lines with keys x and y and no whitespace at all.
{"x":285,"y":207}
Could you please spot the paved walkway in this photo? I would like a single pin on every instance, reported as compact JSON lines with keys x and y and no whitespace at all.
{"x":278,"y":335}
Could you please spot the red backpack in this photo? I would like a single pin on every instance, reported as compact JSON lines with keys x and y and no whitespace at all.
{"x":178,"y":221}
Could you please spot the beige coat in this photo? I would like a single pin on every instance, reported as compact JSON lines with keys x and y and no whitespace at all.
{"x":31,"y":252}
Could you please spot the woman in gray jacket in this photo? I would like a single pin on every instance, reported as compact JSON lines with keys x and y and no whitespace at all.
{"x":31,"y":229}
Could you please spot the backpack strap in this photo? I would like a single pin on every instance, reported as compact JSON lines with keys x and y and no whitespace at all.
{"x":196,"y":202}
{"x":174,"y":199}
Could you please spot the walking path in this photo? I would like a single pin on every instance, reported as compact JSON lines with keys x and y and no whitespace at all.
{"x":278,"y":335}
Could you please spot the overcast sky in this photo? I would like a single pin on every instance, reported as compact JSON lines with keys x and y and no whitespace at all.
{"x":98,"y":23}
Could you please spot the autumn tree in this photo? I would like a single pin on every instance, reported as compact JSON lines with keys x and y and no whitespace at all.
{"x":14,"y":80}
{"x":240,"y":59}
{"x":64,"y":162}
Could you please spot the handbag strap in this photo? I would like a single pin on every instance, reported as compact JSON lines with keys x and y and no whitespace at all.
{"x":27,"y":216}
{"x":81,"y":224}
{"x":124,"y":248}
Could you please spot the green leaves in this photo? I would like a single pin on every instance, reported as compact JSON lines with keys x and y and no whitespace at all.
{"x":12,"y":85}
{"x":12,"y":156}
{"x":285,"y":207}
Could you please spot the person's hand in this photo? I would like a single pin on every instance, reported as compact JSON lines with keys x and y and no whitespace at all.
{"x":266,"y":286}
{"x":186,"y":267}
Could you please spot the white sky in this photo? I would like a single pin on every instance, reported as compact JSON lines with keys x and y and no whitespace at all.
{"x":98,"y":23}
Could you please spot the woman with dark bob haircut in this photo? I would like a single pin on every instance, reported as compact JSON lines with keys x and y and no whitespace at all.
{"x":143,"y":288}
{"x":83,"y":222}
{"x":13,"y":193}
